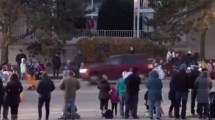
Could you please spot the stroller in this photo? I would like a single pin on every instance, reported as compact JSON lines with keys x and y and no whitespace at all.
{"x":212,"y":105}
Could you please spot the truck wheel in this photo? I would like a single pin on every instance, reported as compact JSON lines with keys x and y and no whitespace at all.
{"x":94,"y":80}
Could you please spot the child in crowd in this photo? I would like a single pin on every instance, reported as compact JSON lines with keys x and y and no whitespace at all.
{"x":66,"y":69}
{"x":114,"y":99}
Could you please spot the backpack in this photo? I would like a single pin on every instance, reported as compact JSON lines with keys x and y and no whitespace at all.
{"x":108,"y":114}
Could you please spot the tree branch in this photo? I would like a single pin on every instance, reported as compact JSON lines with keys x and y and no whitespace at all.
{"x":186,"y":15}
{"x":26,"y":34}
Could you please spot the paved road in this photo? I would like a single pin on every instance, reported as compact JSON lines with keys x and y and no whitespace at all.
{"x":87,"y":102}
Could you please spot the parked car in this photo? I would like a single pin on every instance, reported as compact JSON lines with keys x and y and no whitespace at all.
{"x":115,"y":65}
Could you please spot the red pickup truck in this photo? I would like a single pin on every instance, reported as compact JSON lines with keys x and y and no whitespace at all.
{"x":115,"y":65}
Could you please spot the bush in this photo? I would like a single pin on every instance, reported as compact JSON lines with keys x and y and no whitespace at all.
{"x":98,"y":49}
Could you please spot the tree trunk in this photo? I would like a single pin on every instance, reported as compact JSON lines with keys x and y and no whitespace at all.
{"x":202,"y":45}
{"x":4,"y":54}
{"x":4,"y":48}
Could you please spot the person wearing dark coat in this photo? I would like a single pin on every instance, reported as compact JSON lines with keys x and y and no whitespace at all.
{"x":203,"y":86}
{"x":171,"y":94}
{"x":132,"y":83}
{"x":44,"y":88}
{"x":104,"y":96}
{"x":180,"y":84}
{"x":56,"y":62}
{"x":194,"y":74}
{"x":79,"y":59}
{"x":188,"y":58}
{"x":13,"y":90}
{"x":154,"y":86}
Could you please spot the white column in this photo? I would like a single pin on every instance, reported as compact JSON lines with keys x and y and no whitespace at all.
{"x":92,"y":5}
{"x":138,"y":18}
{"x":134,"y":24}
{"x":134,"y":19}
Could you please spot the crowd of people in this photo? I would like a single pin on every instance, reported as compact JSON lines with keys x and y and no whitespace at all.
{"x":127,"y":90}
{"x":186,"y":74}
{"x":175,"y":59}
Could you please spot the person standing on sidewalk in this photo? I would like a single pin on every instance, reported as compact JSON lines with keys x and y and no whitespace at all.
{"x":154,"y":87}
{"x":44,"y":88}
{"x":121,"y":91}
{"x":203,"y":86}
{"x":114,"y":99}
{"x":13,"y":90}
{"x":23,"y":69}
{"x":18,"y":60}
{"x":70,"y":85}
{"x":194,"y":74}
{"x":132,"y":90}
{"x":56,"y":63}
{"x":180,"y":83}
{"x":171,"y":94}
{"x":104,"y":89}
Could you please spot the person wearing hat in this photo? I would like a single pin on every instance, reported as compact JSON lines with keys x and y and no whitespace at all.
{"x":193,"y":75}
{"x":69,"y":86}
{"x":203,"y":86}
{"x":104,"y":89}
{"x":180,"y":84}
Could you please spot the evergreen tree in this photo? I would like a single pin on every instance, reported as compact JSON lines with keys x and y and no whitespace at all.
{"x":116,"y":15}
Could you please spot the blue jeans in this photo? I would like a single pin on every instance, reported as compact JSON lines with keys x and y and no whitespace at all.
{"x":122,"y":104}
{"x":157,"y":105}
{"x":181,"y":97}
{"x":71,"y":104}
{"x":131,"y":105}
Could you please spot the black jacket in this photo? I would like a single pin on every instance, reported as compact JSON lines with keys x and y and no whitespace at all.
{"x":13,"y":90}
{"x":45,"y":87}
{"x":194,"y":74}
{"x":133,"y":84}
{"x":56,"y":62}
{"x":19,"y":57}
{"x":104,"y":89}
{"x":180,"y":81}
{"x":171,"y":94}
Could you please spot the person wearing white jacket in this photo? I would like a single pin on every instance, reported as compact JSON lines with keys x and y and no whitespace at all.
{"x":23,"y":68}
{"x":160,"y":71}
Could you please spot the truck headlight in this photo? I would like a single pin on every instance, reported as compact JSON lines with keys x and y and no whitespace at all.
{"x":83,"y":70}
